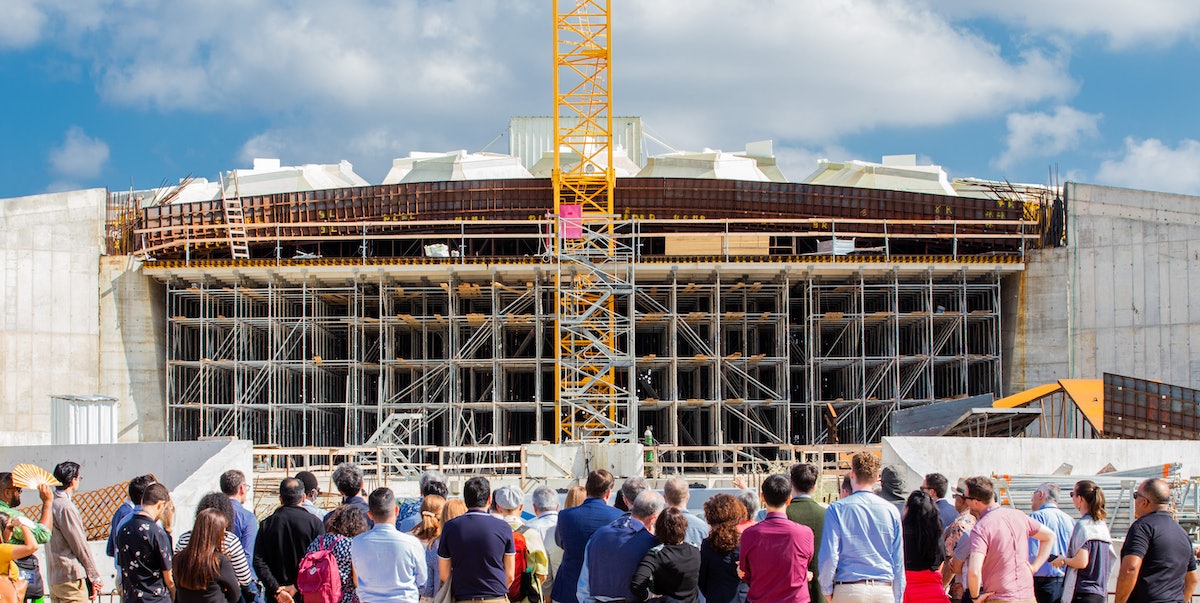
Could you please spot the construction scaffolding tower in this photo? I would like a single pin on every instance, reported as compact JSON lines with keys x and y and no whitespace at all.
{"x":719,"y":358}
{"x":594,"y":399}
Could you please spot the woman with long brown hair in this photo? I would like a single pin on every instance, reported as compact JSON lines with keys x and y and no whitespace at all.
{"x":202,"y":572}
{"x":719,"y":581}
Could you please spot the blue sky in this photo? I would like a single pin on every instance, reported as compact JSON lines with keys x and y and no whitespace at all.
{"x":113,"y":93}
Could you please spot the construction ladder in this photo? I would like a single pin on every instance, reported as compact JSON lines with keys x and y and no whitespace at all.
{"x":235,"y":220}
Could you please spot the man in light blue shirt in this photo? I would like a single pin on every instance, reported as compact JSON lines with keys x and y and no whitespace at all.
{"x":1048,"y":580}
{"x":390,"y":564}
{"x":862,"y":552}
{"x":676,"y":493}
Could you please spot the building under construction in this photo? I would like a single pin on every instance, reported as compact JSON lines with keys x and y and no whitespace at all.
{"x":761,"y":313}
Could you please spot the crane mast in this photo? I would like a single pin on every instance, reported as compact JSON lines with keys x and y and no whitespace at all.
{"x":593,"y":327}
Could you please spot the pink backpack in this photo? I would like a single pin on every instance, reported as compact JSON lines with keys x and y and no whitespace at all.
{"x":319,"y":579}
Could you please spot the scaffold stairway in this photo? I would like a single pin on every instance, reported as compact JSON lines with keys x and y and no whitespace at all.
{"x":395,"y":440}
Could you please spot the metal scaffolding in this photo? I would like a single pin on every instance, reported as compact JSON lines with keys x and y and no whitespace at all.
{"x":457,"y":359}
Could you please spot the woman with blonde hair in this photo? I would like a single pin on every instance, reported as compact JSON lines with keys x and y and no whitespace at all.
{"x":1090,"y":553}
{"x":428,"y":532}
{"x":575,"y":497}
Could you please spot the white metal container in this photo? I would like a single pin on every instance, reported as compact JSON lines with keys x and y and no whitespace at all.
{"x":83,"y":419}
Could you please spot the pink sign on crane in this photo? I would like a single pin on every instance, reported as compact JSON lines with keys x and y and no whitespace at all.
{"x":570,"y":224}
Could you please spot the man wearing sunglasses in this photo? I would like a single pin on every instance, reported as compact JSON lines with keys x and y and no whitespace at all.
{"x":1157,"y":563}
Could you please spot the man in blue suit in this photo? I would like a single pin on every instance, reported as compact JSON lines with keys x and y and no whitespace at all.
{"x":575,"y":527}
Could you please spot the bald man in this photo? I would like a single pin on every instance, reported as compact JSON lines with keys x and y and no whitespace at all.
{"x":1157,"y":563}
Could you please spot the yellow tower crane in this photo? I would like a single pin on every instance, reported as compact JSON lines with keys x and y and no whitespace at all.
{"x":594,"y":358}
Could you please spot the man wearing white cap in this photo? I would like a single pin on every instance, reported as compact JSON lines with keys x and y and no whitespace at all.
{"x":507,"y":501}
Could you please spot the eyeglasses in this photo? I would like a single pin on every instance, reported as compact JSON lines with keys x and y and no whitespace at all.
{"x":1073,"y":495}
{"x":1137,"y":495}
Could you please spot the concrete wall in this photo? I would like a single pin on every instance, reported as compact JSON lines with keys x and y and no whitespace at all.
{"x":1121,"y":297}
{"x":49,"y":313}
{"x":188,"y":469}
{"x":132,"y":359}
{"x":965,"y":457}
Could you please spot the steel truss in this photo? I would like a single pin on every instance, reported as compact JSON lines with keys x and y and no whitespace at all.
{"x":593,"y":281}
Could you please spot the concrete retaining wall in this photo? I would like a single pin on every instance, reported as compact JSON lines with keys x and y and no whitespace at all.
{"x":49,"y":312}
{"x":966,"y":457}
{"x":132,"y":340}
{"x":1120,"y":298}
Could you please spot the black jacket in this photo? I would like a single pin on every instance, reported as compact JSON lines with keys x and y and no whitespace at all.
{"x":282,"y":540}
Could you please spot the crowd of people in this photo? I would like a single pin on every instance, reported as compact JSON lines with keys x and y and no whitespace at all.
{"x":489,"y":546}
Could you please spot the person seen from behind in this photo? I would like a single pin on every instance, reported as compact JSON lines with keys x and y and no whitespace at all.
{"x":232,"y":547}
{"x":806,"y":511}
{"x":862,"y":551}
{"x":998,"y":563}
{"x":719,"y":581}
{"x":341,"y":526}
{"x":390,"y":564}
{"x":924,"y":550}
{"x":144,"y":552}
{"x":203,"y":573}
{"x":670,"y":569}
{"x":478,"y":548}
{"x":283,"y":537}
{"x":427,"y":533}
{"x":775,"y":551}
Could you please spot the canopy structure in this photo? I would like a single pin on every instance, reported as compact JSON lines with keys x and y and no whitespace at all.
{"x":712,"y":164}
{"x":622,"y":164}
{"x":268,"y":176}
{"x":453,"y":166}
{"x":896,"y":172}
{"x":1071,"y":408}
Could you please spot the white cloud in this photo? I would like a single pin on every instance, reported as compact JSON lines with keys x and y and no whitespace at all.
{"x":21,"y":25}
{"x":344,"y":80}
{"x":1122,"y":22}
{"x":1034,"y":135}
{"x":815,"y":71}
{"x":1152,"y":165}
{"x":79,"y":156}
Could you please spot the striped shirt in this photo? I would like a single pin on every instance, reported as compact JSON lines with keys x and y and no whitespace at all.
{"x":233,"y":550}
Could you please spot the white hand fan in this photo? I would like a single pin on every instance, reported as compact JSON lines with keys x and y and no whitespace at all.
{"x":32,"y":476}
